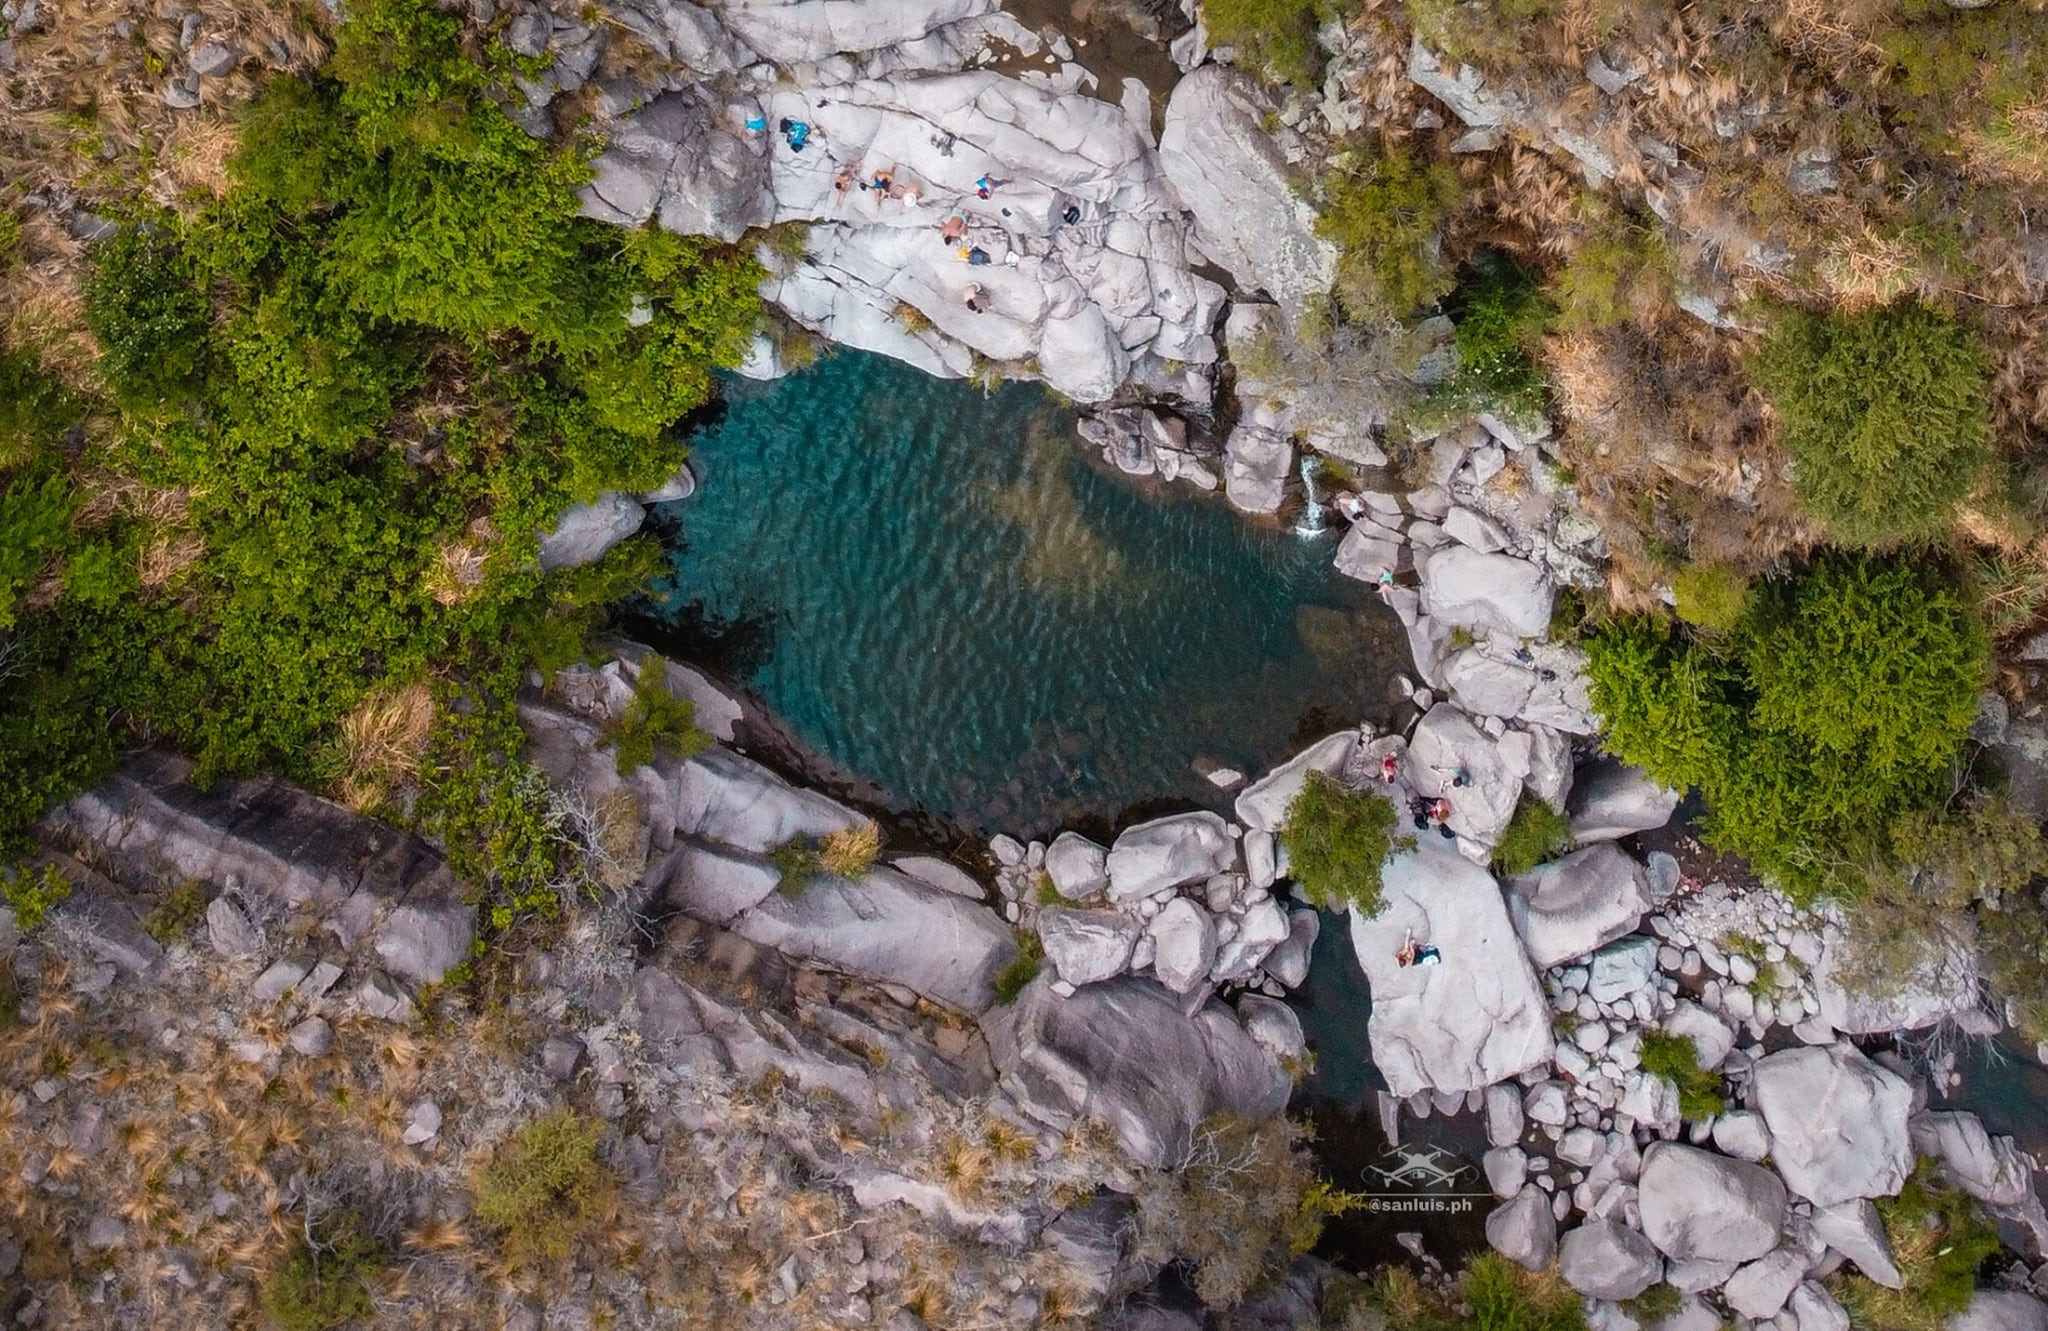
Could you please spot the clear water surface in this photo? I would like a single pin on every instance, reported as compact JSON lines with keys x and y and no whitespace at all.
{"x":940,"y":590}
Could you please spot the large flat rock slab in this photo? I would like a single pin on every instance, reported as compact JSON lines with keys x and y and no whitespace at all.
{"x":890,"y":928}
{"x":1476,"y":1018}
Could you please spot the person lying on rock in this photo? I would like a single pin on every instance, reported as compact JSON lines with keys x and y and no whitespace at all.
{"x":1390,"y":769}
{"x":1412,"y":953}
{"x":987,"y":185}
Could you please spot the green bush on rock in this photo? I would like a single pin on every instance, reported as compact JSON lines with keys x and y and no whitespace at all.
{"x":1676,"y":1059}
{"x":1839,"y":702}
{"x":1886,"y":413}
{"x":1384,"y":211}
{"x":1536,"y":833}
{"x":1337,"y":839}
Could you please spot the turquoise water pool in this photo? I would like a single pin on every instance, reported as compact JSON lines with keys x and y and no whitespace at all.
{"x":939,"y":589}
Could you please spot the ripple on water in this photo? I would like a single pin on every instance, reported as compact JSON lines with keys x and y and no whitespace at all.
{"x":938,"y":589}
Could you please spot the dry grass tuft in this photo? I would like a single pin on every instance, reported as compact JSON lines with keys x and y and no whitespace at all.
{"x":850,"y":853}
{"x":383,"y":739}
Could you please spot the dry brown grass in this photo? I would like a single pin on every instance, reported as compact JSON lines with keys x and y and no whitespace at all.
{"x":383,"y":739}
{"x":850,"y":853}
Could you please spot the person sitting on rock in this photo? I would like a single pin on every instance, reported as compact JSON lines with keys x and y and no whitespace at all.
{"x":1349,"y":506}
{"x":954,"y":227}
{"x":880,"y":181}
{"x":1418,"y":808}
{"x":1408,"y":951}
{"x":973,"y":296}
{"x":843,"y":181}
{"x":795,"y":133}
{"x":1439,"y":810}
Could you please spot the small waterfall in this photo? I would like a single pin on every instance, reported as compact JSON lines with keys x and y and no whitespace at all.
{"x":1311,"y":521}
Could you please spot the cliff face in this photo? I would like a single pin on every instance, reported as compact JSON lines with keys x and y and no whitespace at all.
{"x":234,"y":1024}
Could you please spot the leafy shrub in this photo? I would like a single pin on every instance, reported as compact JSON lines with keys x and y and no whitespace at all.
{"x":1500,"y":312}
{"x":179,"y":908}
{"x":1507,"y":1297}
{"x":544,"y":1187}
{"x":32,"y":894}
{"x":654,"y":722}
{"x":1536,"y":833}
{"x":379,"y":368}
{"x":320,"y":1289}
{"x":144,"y":304}
{"x":1711,"y":596}
{"x":1279,"y":36}
{"x":1337,"y":840}
{"x":1023,"y":968}
{"x":1624,"y":270}
{"x":1886,"y":414}
{"x":35,"y":518}
{"x":1938,"y":1242}
{"x":1236,"y":1236}
{"x":1676,"y":1059}
{"x":1385,"y":213}
{"x":35,"y":410}
{"x":1841,"y":701}
{"x":796,"y":860}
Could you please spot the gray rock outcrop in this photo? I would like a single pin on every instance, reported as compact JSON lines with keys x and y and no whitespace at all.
{"x":1167,"y":853}
{"x":1224,"y":166}
{"x":2001,"y":1310}
{"x":1573,"y":905}
{"x":1124,"y":1053}
{"x":1264,"y":803}
{"x":586,"y":532}
{"x":1611,"y":800}
{"x":1085,"y":946}
{"x":1486,"y":593}
{"x":1079,"y":868}
{"x":1604,"y":1260}
{"x":1525,"y":1230}
{"x":1696,"y":1204}
{"x":1838,"y":1123}
{"x":888,"y":927}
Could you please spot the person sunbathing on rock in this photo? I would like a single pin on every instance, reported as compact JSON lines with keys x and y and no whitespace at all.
{"x":1412,"y":953}
{"x":987,"y":185}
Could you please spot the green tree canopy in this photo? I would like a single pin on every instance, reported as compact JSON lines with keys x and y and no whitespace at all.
{"x":1887,"y":415}
{"x":1840,"y":701}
